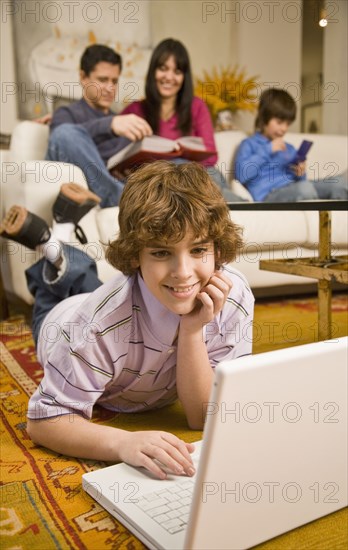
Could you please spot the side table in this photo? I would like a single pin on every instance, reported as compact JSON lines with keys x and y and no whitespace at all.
{"x":325,"y":268}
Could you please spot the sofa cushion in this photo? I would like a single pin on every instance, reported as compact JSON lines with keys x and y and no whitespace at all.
{"x":248,"y":263}
{"x":28,"y":141}
{"x":267,"y":230}
{"x":227,"y":143}
{"x":107,"y":222}
{"x":328,"y":155}
{"x":240,"y":190}
{"x":35,"y":184}
{"x":257,"y":228}
{"x":339,"y":229}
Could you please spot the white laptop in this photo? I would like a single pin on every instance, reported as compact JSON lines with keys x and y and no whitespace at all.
{"x":273,"y":457}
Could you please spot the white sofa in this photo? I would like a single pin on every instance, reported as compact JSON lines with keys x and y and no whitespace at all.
{"x":28,"y":180}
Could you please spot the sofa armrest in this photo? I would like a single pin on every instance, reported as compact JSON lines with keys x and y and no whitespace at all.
{"x":240,"y":190}
{"x":35,"y":185}
{"x":29,"y":141}
{"x":227,"y":143}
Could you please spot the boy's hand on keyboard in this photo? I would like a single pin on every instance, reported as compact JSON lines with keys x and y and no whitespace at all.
{"x":151,"y":449}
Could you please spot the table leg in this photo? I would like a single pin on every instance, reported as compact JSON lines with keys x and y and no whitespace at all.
{"x":324,"y":312}
{"x":324,"y":286}
{"x":324,"y":236}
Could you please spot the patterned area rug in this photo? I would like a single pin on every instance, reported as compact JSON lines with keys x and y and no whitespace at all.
{"x":286,"y":323}
{"x":43,"y":506}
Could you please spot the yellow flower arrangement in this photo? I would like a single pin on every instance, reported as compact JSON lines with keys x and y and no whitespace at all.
{"x":227,"y":89}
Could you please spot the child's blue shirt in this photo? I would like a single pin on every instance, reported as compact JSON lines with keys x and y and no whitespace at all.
{"x":260,"y":170}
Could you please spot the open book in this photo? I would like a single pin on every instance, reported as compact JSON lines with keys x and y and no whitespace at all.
{"x":156,"y":148}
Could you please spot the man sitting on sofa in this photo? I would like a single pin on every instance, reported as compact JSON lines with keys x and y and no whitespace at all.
{"x":87,"y":133}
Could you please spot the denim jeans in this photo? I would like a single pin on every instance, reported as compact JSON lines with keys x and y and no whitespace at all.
{"x":72,"y":143}
{"x":79,"y":275}
{"x":328,"y":188}
{"x":219,"y":179}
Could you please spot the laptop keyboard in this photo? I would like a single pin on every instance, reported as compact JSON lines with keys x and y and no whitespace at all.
{"x":169,"y":507}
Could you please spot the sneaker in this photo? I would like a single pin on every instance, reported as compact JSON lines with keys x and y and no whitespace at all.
{"x":24,"y":227}
{"x":72,"y":203}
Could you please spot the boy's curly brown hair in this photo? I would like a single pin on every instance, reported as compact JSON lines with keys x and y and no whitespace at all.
{"x":162,"y":202}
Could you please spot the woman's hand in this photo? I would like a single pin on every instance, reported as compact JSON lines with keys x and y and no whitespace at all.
{"x":211,"y":300}
{"x":158,"y":452}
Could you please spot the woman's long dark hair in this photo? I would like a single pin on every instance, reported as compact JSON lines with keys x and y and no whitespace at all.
{"x":152,"y":103}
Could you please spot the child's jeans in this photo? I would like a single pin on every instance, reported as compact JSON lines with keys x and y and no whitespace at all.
{"x":335,"y":188}
{"x":77,"y":275}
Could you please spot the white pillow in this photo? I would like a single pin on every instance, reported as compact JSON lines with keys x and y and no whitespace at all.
{"x":107,"y":222}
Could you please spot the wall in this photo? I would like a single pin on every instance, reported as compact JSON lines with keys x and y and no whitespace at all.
{"x":50,"y":37}
{"x":335,"y":97}
{"x":8,"y":105}
{"x":210,"y":41}
{"x":269,"y":44}
{"x":264,"y":36}
{"x":312,"y":66}
{"x":220,"y":33}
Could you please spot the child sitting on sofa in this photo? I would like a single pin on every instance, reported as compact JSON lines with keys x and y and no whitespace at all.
{"x":265,"y":162}
{"x":151,"y":334}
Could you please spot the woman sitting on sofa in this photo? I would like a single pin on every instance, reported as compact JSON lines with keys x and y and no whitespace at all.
{"x":172,"y":110}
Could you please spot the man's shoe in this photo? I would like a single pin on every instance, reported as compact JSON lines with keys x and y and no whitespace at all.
{"x":24,"y":227}
{"x":72,"y":203}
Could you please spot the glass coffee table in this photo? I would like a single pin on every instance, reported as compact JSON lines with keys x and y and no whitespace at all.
{"x":325,"y":268}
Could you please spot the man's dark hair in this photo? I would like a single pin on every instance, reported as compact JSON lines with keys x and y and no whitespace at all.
{"x":97,"y":53}
{"x":275,"y":103}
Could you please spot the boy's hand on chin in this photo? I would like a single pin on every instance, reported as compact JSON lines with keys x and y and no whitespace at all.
{"x":210,"y":300}
{"x":278,"y":144}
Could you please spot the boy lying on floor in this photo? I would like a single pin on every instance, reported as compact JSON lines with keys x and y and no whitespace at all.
{"x":151,"y":334}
